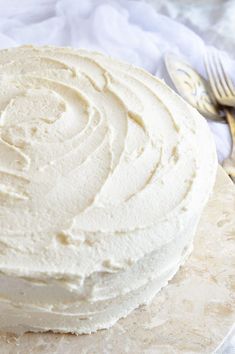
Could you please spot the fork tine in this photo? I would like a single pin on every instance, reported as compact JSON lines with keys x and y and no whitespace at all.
{"x":216,"y":76}
{"x":226,"y":77}
{"x":211,"y":76}
{"x":220,"y":74}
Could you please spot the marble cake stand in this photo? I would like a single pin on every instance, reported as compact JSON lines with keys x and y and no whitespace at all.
{"x":191,"y":315}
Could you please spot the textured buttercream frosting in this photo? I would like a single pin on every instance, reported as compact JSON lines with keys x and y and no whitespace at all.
{"x":104,"y":173}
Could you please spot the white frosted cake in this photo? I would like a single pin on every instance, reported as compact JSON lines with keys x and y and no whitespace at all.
{"x":104,"y":173}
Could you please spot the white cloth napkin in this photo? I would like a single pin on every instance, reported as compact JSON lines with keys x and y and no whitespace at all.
{"x":130,"y":30}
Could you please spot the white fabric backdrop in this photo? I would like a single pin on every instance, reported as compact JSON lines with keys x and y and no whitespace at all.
{"x":129,"y":30}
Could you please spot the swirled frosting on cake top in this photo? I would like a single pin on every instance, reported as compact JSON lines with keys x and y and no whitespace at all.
{"x":101,"y":164}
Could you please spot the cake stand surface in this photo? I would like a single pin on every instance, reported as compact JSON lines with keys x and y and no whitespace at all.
{"x":191,"y":315}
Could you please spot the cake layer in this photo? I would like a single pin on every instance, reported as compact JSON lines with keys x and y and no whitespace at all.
{"x":104,"y":172}
{"x":76,"y":308}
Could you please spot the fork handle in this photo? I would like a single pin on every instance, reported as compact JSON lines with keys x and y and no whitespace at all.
{"x":229,"y":163}
{"x":230,"y":117}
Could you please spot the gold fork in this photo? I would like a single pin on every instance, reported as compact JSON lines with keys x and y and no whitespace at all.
{"x":224,"y":92}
